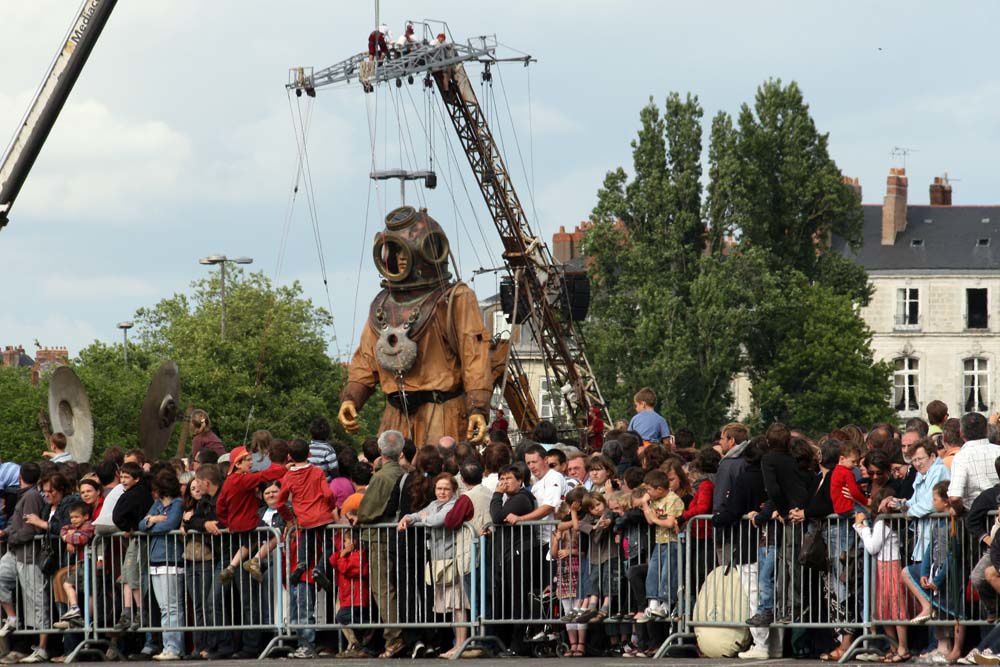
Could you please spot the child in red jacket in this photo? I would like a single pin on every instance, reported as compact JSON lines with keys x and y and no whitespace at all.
{"x":313,"y":509}
{"x":236,"y":506}
{"x":350,"y":563}
{"x":845,"y":493}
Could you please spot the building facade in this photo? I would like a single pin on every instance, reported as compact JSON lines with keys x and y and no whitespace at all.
{"x":935,"y":270}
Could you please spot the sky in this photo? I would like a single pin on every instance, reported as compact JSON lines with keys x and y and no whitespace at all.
{"x":178,"y":140}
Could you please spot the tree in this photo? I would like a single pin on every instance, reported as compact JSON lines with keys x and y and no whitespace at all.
{"x":272,"y":371}
{"x":774,"y":184}
{"x":20,"y":401}
{"x":655,"y":294}
{"x":682,"y":306}
{"x":825,"y":375}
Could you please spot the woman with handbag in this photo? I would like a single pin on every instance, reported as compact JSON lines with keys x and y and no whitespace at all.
{"x":442,"y":570}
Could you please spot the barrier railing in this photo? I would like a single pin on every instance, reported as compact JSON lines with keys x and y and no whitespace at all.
{"x":533,"y":586}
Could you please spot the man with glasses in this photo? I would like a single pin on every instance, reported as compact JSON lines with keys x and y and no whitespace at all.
{"x":930,"y":471}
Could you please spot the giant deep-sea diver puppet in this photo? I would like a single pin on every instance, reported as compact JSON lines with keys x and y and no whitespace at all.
{"x":424,"y":342}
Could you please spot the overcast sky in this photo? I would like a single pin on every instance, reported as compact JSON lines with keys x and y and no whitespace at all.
{"x":177,"y":141}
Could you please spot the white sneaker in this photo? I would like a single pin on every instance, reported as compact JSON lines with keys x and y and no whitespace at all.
{"x":755,"y":653}
{"x":38,"y":654}
{"x":303,"y":652}
{"x":166,"y":655}
{"x":985,"y":657}
{"x":9,"y":626}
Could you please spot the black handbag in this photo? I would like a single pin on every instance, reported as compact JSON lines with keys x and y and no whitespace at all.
{"x":814,"y":554}
{"x":48,"y":560}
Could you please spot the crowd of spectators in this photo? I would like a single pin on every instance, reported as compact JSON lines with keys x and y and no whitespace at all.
{"x":587,"y":539}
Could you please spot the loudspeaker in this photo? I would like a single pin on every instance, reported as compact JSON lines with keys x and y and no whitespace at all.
{"x":577,"y":295}
{"x":507,"y":301}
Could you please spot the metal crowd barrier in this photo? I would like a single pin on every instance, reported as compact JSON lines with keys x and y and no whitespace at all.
{"x":518,"y":585}
{"x":418,"y":577}
{"x":862,"y":588}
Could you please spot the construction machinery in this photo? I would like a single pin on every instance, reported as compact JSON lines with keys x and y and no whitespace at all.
{"x":34,"y":129}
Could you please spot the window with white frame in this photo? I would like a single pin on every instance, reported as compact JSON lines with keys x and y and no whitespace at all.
{"x":500,"y":324}
{"x":907,"y":307}
{"x":906,"y":385}
{"x":975,"y":385}
{"x":546,"y":400}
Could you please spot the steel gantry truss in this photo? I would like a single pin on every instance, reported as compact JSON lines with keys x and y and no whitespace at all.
{"x":540,"y":282}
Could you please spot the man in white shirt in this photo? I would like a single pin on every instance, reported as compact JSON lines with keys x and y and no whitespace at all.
{"x":107,"y":473}
{"x":548,"y":488}
{"x":972,"y":470}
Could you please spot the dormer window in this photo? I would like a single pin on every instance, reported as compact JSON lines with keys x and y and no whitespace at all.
{"x":917,"y":243}
{"x":983,"y":243}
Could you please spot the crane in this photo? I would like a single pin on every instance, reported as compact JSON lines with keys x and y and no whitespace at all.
{"x":539,"y":282}
{"x":34,"y":129}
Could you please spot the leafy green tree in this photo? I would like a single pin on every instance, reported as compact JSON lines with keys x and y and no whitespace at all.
{"x":825,"y":375}
{"x":20,"y":401}
{"x":272,"y":371}
{"x":681,"y":306}
{"x":656,"y":295}
{"x":774,"y":184}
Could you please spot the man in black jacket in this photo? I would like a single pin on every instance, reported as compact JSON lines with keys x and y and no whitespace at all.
{"x":129,"y":511}
{"x":978,"y":528}
{"x":788,"y":488}
{"x":220,"y":645}
{"x":510,"y":550}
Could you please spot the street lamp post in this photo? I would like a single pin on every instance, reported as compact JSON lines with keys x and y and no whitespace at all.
{"x":125,"y":326}
{"x":222,"y":260}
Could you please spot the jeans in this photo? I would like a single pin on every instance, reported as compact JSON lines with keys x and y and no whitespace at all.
{"x":662,"y":577}
{"x":765,"y":578}
{"x":169,"y":592}
{"x":349,"y":616}
{"x":303,"y":607}
{"x":198,"y":583}
{"x":221,"y":612}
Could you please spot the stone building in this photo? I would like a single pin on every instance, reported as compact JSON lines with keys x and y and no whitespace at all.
{"x":935,"y":269}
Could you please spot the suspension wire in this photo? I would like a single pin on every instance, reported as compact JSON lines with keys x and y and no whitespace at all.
{"x":450,"y":154}
{"x":528,"y":178}
{"x":408,"y":150}
{"x":371,"y":114}
{"x":311,"y":200}
{"x":279,"y":263}
{"x":448,"y":182}
{"x":531,"y":145}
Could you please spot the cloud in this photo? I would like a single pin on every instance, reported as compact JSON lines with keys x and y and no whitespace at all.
{"x":50,"y":330}
{"x":544,"y":119}
{"x":568,"y":199}
{"x":95,"y":288}
{"x":98,"y":165}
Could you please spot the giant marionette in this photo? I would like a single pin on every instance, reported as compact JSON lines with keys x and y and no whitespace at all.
{"x":424,"y":342}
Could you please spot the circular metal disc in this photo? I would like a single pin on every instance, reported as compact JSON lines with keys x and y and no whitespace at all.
{"x":69,"y":412}
{"x":159,"y":410}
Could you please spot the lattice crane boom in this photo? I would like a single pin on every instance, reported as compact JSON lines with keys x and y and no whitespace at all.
{"x":540,"y":282}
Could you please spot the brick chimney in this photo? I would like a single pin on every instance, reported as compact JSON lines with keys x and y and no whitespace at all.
{"x":894,"y":205}
{"x":562,"y":245}
{"x":853,"y":183}
{"x":12,"y":355}
{"x":941,"y":191}
{"x":47,"y":358}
